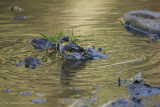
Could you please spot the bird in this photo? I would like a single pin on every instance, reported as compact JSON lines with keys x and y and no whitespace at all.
{"x":72,"y":51}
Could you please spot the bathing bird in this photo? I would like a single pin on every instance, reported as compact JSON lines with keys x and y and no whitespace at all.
{"x":72,"y":51}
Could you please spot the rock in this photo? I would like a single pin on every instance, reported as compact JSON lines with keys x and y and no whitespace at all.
{"x":19,"y":18}
{"x":96,"y":54}
{"x":97,"y":86}
{"x":7,"y":90}
{"x":40,"y":95}
{"x":120,"y":103}
{"x":40,"y":43}
{"x":142,"y":89}
{"x":29,"y":62}
{"x":137,"y":91}
{"x":19,"y":63}
{"x":143,"y":22}
{"x":137,"y":77}
{"x":26,"y":93}
{"x":38,"y":100}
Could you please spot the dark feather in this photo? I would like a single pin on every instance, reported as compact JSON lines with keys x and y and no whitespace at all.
{"x":73,"y":48}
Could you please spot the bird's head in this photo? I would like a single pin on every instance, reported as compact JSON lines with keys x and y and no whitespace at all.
{"x":64,"y":40}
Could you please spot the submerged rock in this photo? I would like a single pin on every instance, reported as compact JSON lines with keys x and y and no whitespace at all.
{"x":38,"y":100}
{"x":26,"y":93}
{"x":95,"y":53}
{"x":140,"y":88}
{"x":120,"y":102}
{"x":29,"y":62}
{"x":137,"y":90}
{"x":16,"y":8}
{"x":19,"y":18}
{"x":143,"y":22}
{"x":7,"y":90}
{"x":40,"y":43}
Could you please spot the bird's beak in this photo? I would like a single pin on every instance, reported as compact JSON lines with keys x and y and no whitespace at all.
{"x":65,"y":43}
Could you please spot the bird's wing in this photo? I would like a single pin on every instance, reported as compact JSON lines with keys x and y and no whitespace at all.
{"x":73,"y":48}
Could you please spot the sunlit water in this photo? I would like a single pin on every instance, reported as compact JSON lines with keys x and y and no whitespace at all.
{"x":62,"y":82}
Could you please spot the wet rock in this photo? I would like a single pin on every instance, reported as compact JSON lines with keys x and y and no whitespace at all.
{"x":99,"y":49}
{"x":137,"y":90}
{"x":78,"y":89}
{"x":26,"y":93}
{"x":38,"y":100}
{"x":7,"y":90}
{"x":127,"y":62}
{"x":142,"y":22}
{"x":16,"y":8}
{"x":40,"y":43}
{"x":120,"y":103}
{"x":97,"y":86}
{"x":19,"y":18}
{"x":20,"y":63}
{"x":29,"y":62}
{"x":140,"y":88}
{"x":96,"y":54}
{"x":143,"y":89}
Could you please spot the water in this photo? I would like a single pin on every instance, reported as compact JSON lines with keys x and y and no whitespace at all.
{"x":62,"y":82}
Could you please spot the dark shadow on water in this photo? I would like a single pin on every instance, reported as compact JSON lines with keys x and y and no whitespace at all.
{"x":69,"y":68}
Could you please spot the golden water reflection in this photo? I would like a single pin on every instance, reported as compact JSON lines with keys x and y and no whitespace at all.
{"x":62,"y":81}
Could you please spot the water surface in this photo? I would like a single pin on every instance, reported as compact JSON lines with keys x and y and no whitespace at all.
{"x":62,"y":82}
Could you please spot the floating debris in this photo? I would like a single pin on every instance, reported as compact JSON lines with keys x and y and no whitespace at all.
{"x":119,"y":82}
{"x":38,"y":100}
{"x":127,"y":62}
